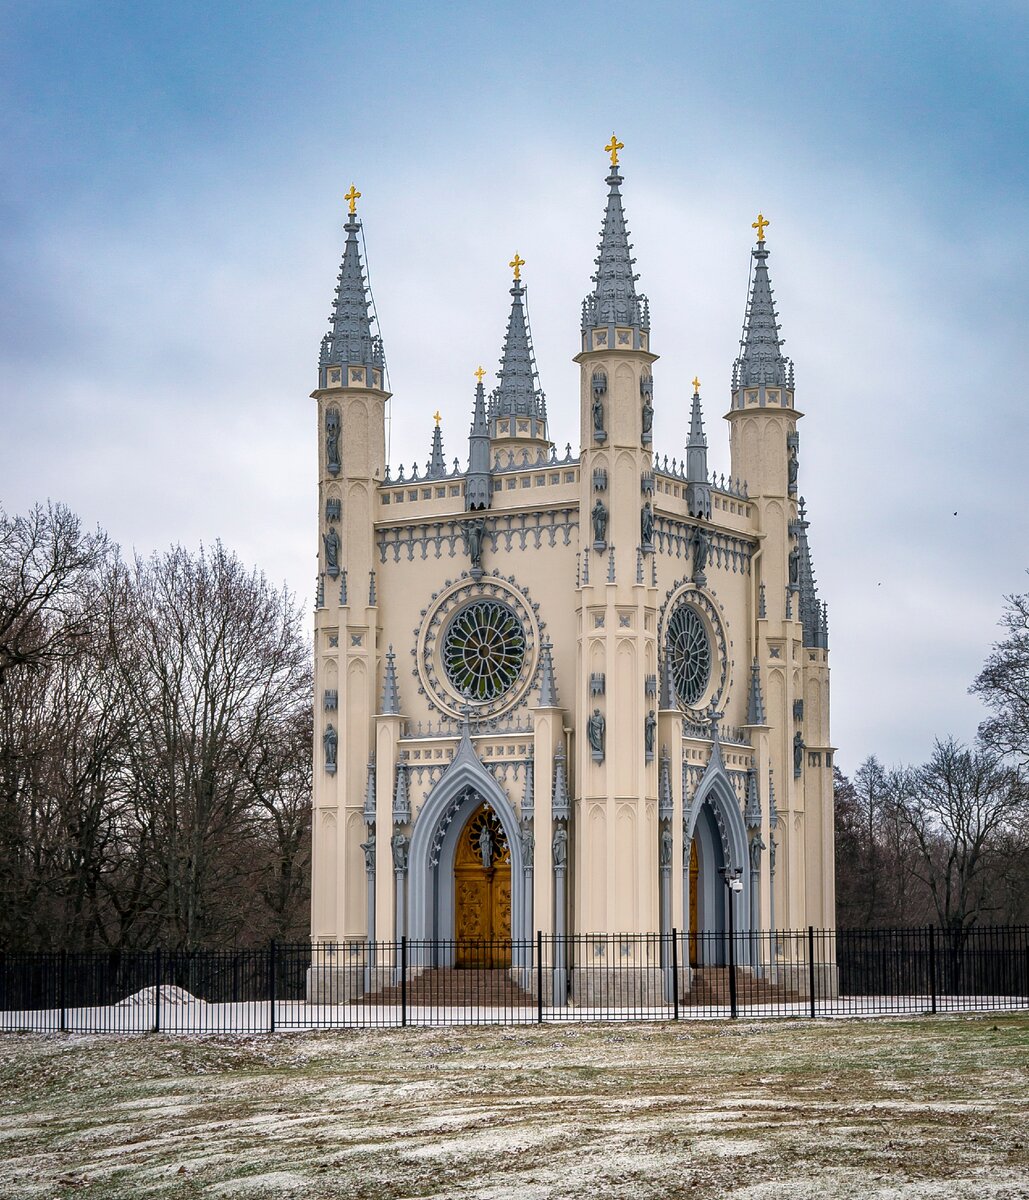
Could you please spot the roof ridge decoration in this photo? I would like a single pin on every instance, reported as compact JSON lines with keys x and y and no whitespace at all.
{"x":761,"y":360}
{"x":518,"y":393}
{"x":614,"y":300}
{"x":436,"y":468}
{"x":350,"y":340}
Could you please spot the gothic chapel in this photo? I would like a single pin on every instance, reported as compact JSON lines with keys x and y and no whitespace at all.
{"x":569,"y":691}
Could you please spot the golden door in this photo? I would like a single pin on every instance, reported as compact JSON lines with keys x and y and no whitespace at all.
{"x":482,"y":893}
{"x":694,"y":906}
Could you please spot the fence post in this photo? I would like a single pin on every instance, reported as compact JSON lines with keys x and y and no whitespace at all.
{"x":403,"y":980}
{"x":675,"y":974}
{"x":932,"y":965}
{"x":271,"y":985}
{"x":539,"y":976}
{"x":811,"y":965}
{"x":157,"y":990}
{"x":61,"y":984}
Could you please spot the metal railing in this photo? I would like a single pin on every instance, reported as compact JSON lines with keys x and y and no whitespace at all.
{"x":612,"y":977}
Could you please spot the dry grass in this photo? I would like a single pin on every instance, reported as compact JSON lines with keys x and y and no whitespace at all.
{"x":888,"y":1108}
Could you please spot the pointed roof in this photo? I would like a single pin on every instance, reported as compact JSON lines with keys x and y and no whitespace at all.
{"x":436,"y":468}
{"x":390,"y":690}
{"x":761,"y":359}
{"x":559,"y":808}
{"x":755,"y":700}
{"x":810,"y":610}
{"x":477,"y":485}
{"x":350,"y":341}
{"x":518,"y":394}
{"x":697,"y":439}
{"x":548,"y":685}
{"x":614,"y":300}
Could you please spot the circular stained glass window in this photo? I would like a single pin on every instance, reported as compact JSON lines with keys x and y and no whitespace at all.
{"x":483,"y":650}
{"x":689,"y":652}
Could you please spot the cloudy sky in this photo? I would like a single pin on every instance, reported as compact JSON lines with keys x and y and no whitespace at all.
{"x":170,"y":233}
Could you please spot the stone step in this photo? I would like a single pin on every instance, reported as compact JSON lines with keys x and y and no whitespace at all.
{"x":479,"y":987}
{"x":711,"y":988}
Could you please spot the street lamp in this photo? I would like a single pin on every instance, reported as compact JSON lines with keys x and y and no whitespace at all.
{"x":734,"y":885}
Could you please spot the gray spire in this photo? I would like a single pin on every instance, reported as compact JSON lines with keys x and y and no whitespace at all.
{"x":761,"y":359}
{"x":666,"y":698}
{"x":401,"y":796}
{"x":752,"y":812}
{"x":755,"y":700}
{"x":436,"y":468}
{"x":666,"y":805}
{"x":477,"y":487}
{"x":810,"y":610}
{"x":548,"y":685}
{"x":369,"y":794}
{"x":529,"y":795}
{"x":390,"y":691}
{"x":518,"y":394}
{"x":350,"y":341}
{"x":614,"y":300}
{"x":559,"y":799}
{"x":698,"y":489}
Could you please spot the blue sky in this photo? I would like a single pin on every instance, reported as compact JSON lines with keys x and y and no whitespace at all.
{"x":169,"y":237}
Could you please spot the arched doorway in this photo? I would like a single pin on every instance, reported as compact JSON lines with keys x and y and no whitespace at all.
{"x":482,"y":892}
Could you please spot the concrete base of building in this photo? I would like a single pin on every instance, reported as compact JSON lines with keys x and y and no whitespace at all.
{"x":626,"y":987}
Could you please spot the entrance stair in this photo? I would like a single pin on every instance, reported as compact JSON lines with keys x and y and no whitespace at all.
{"x":711,"y":989}
{"x":456,"y":987}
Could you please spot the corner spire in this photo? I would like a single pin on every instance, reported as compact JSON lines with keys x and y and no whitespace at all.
{"x":812,"y":613}
{"x":614,"y":300}
{"x":698,"y":489}
{"x":518,"y":395}
{"x":390,"y":690}
{"x":755,"y":700}
{"x":436,"y":468}
{"x":478,"y":485}
{"x":761,"y":359}
{"x":548,"y":685}
{"x":350,"y":341}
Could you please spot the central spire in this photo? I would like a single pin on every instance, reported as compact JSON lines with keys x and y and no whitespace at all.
{"x":614,"y":300}
{"x":761,"y":360}
{"x":350,"y":341}
{"x":518,"y":407}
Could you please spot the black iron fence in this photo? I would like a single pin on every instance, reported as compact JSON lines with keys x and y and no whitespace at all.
{"x":674,"y":976}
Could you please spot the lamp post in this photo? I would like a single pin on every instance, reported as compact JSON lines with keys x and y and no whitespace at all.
{"x":734,"y":885}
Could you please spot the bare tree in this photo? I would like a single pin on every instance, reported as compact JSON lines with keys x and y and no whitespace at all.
{"x":1003,"y":685}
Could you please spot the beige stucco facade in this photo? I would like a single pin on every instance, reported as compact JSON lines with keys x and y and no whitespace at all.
{"x":685,"y":618}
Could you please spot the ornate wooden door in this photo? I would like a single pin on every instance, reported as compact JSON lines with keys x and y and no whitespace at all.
{"x":694,"y":905}
{"x":482,"y":893}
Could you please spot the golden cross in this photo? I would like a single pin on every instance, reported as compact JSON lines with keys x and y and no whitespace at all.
{"x":437,"y":417}
{"x":613,"y":146}
{"x":760,"y":225}
{"x":696,"y":384}
{"x":517,"y":263}
{"x":352,"y":198}
{"x":479,"y":374}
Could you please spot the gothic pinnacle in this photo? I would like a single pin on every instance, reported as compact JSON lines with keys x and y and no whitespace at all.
{"x":761,"y":359}
{"x":350,"y":341}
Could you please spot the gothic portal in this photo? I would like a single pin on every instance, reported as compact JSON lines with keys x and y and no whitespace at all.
{"x":569,"y":691}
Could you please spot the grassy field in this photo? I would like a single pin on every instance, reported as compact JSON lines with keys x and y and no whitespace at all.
{"x":886,"y":1108}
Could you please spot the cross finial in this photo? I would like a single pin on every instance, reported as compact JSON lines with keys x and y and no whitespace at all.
{"x":352,"y":198}
{"x":437,"y":417}
{"x":517,"y":263}
{"x":613,"y":146}
{"x":479,"y":374}
{"x":696,"y":384}
{"x":760,"y":225}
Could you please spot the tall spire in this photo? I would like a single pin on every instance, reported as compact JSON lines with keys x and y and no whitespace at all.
{"x":350,"y":341}
{"x":518,"y":394}
{"x":614,"y":300}
{"x":436,"y":468}
{"x":761,"y":359}
{"x":390,"y":689}
{"x":478,"y":485}
{"x":698,"y":489}
{"x":812,"y":613}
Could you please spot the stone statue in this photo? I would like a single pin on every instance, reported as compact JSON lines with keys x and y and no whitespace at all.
{"x":649,"y":729}
{"x":798,"y":754}
{"x":332,"y":441}
{"x":648,"y":419}
{"x":595,"y":732}
{"x":665,"y":859}
{"x":756,"y":846}
{"x":399,"y":843}
{"x":598,"y":413}
{"x":792,"y":468}
{"x":331,"y":541}
{"x":560,"y":846}
{"x":647,"y":524}
{"x":473,"y":531}
{"x":369,"y":853}
{"x":330,"y":740}
{"x":795,"y":567}
{"x":699,"y":544}
{"x":528,"y":844}
{"x":599,"y":516}
{"x":771,"y":856}
{"x":486,"y":847}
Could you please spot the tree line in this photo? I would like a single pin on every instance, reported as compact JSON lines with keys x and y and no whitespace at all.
{"x":155,"y":745}
{"x":946,"y":842}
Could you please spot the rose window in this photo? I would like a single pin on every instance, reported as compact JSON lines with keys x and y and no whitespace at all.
{"x":483,"y":650}
{"x":689,"y":653}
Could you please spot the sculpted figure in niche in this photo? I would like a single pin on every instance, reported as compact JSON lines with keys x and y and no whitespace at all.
{"x":486,"y":847}
{"x":598,"y":413}
{"x":648,"y":419}
{"x":647,"y":524}
{"x":473,"y":531}
{"x":332,"y":440}
{"x":792,"y":468}
{"x":649,"y":729}
{"x":699,"y":545}
{"x":666,"y":847}
{"x":330,"y":741}
{"x":756,"y":846}
{"x":331,"y":541}
{"x":528,"y":844}
{"x":399,"y":845}
{"x":599,"y":516}
{"x":798,"y":754}
{"x":595,"y":733}
{"x":369,"y":853}
{"x":560,"y":846}
{"x":795,"y":567}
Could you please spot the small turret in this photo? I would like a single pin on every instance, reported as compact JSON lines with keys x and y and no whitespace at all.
{"x":698,"y":489}
{"x":518,"y":408}
{"x":436,"y":468}
{"x":761,"y":360}
{"x":478,"y":487}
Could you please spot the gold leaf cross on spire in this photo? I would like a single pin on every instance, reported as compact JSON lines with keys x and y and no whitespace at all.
{"x":517,"y":263}
{"x":760,"y":225}
{"x":613,"y":146}
{"x":696,"y":384}
{"x":437,"y":416}
{"x":479,"y":374}
{"x":352,"y":198}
